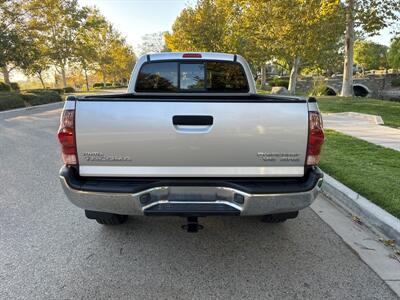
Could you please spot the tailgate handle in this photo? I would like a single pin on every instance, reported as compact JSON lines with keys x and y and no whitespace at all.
{"x":193,"y":120}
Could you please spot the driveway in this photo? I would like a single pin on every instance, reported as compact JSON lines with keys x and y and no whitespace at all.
{"x":49,"y":250}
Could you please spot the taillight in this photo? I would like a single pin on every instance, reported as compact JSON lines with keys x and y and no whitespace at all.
{"x":191,"y":55}
{"x":315,"y":138}
{"x":66,"y":137}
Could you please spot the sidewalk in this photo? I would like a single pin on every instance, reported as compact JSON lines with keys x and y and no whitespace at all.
{"x":365,"y":127}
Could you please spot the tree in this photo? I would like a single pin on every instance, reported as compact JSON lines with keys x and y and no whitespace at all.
{"x":101,"y":48}
{"x":370,"y":16}
{"x":370,"y":55}
{"x":16,"y":44}
{"x":87,"y":43}
{"x":394,"y":53}
{"x":104,"y":59}
{"x":57,"y":23}
{"x":300,"y":33}
{"x":39,"y":65}
{"x":199,"y":28}
{"x":122,"y":60}
{"x":297,"y":32}
{"x":218,"y":26}
{"x":153,"y":42}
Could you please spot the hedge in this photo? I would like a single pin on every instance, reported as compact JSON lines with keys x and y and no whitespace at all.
{"x":10,"y":100}
{"x":43,"y":97}
{"x":100,"y":85}
{"x":69,"y":89}
{"x":4,"y":87}
{"x":59,"y":91}
{"x":279,"y":82}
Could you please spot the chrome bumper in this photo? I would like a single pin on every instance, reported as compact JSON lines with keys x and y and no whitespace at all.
{"x":174,"y":200}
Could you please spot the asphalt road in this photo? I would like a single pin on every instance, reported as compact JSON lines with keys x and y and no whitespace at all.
{"x":49,"y":250}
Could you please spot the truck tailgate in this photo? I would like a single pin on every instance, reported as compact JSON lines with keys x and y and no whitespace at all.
{"x":150,"y":138}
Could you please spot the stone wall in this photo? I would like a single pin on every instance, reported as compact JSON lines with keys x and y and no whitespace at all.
{"x":377,"y":86}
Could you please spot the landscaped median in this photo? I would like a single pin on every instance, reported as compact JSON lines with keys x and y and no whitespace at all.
{"x":11,"y":100}
{"x":370,"y":170}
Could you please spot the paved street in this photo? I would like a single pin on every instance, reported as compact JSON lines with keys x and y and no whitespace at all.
{"x":49,"y":250}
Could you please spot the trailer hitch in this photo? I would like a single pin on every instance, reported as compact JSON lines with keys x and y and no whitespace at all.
{"x":192,"y":225}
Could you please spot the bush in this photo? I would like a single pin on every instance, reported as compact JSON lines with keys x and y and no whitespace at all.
{"x":279,"y":82}
{"x":14,"y":86}
{"x":58,"y":91}
{"x":41,"y":97}
{"x":10,"y":100}
{"x":396,"y":82}
{"x":69,"y":89}
{"x":100,"y":85}
{"x":319,"y":89}
{"x":35,"y":90}
{"x":4,"y":87}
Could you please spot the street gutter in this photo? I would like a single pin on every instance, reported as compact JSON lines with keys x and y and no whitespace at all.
{"x":361,"y":207}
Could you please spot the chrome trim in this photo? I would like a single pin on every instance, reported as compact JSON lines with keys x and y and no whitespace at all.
{"x":238,"y":207}
{"x":191,"y":171}
{"x":129,"y":204}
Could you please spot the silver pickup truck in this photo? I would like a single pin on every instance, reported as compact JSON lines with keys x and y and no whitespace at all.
{"x":190,"y":138}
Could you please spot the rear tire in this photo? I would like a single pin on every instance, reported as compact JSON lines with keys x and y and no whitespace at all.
{"x":104,"y":218}
{"x":280,"y":218}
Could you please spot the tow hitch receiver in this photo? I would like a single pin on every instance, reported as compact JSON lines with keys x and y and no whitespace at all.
{"x":192,"y":225}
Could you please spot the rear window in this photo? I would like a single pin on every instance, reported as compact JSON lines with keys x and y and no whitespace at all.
{"x":187,"y":76}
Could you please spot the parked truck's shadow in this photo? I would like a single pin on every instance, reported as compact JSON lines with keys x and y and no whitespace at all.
{"x":151,"y":257}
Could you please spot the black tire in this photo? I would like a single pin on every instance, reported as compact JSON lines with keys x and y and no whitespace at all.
{"x":104,"y":218}
{"x":280,"y":218}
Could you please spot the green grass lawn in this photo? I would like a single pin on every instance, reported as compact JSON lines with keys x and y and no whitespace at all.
{"x":370,"y":170}
{"x":388,"y":110}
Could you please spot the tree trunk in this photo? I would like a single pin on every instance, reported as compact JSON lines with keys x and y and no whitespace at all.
{"x":86,"y":79}
{"x":293,"y":75}
{"x":39,"y":74}
{"x":6,"y":75}
{"x":263,"y":77}
{"x":64,"y":77}
{"x":104,"y":79}
{"x":347,"y":87}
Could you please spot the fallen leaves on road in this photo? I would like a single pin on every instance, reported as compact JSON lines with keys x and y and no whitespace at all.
{"x":356,"y":219}
{"x":389,"y":243}
{"x":392,"y":244}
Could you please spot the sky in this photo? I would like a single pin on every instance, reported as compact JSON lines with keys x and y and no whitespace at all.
{"x":135,"y":18}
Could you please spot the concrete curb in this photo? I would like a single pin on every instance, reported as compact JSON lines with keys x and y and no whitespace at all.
{"x":29,"y":108}
{"x":362,"y":207}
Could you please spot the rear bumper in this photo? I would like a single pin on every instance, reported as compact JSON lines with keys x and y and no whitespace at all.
{"x":190,"y":196}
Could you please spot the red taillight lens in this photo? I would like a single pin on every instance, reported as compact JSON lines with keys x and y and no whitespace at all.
{"x":315,"y":137}
{"x":66,"y":137}
{"x":191,"y":55}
